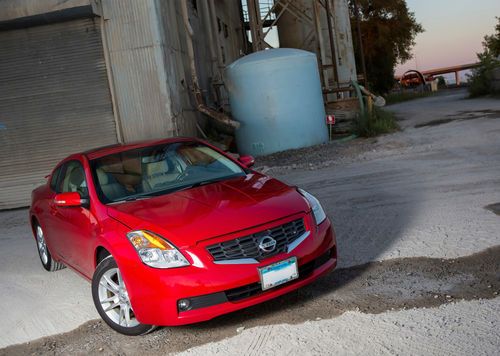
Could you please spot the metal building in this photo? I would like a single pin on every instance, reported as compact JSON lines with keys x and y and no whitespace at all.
{"x":78,"y":74}
{"x":75,"y":74}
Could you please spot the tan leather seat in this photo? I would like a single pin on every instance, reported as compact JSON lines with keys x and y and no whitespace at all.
{"x":159,"y":174}
{"x":76,"y":182}
{"x":111,"y":190}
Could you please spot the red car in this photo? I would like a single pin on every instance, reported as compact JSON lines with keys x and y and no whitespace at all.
{"x":175,"y":231}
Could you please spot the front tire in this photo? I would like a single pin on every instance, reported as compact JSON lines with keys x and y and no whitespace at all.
{"x":112,"y":302}
{"x":43,"y":251}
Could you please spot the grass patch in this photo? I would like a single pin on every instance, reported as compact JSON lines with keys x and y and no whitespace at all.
{"x":377,"y":123}
{"x":395,"y":98}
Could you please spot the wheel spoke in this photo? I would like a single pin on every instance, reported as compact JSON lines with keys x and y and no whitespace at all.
{"x":110,"y":284}
{"x":127,"y":315}
{"x":120,"y":280}
{"x":121,"y":318}
{"x":108,"y":287}
{"x":112,"y":306}
{"x":110,"y":299}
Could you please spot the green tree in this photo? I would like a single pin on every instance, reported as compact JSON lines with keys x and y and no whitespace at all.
{"x":481,"y":79}
{"x":492,"y":43}
{"x":441,"y":82}
{"x":388,"y":31}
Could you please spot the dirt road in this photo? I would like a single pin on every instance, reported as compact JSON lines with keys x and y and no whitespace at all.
{"x":420,"y":202}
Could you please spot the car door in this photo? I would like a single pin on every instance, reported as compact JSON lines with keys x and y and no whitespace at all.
{"x":72,"y":225}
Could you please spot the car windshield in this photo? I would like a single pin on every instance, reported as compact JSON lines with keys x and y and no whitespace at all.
{"x":158,"y":170}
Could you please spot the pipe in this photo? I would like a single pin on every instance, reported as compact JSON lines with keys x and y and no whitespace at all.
{"x":332,"y":44}
{"x":200,"y":104}
{"x":360,"y":97}
{"x":377,"y":100}
{"x":360,"y":41}
{"x":206,"y":17}
{"x":111,"y":80}
{"x":213,"y":23}
{"x":255,"y":27}
{"x":320,"y":56}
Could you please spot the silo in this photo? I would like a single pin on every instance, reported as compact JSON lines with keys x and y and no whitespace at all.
{"x":276,"y":96}
{"x":296,"y":33}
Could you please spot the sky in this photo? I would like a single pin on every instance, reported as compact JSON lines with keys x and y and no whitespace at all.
{"x":454,"y":30}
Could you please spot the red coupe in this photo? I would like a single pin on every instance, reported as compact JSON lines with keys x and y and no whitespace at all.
{"x":175,"y":231}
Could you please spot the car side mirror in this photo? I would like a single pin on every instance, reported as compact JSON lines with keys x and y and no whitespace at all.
{"x":70,"y":199}
{"x":247,"y":160}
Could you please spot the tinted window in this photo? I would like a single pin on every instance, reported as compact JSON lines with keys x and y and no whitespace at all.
{"x":53,"y":179}
{"x":73,"y":179}
{"x":157,"y":170}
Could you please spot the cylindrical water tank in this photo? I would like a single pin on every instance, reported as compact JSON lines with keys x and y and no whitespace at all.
{"x":276,"y":96}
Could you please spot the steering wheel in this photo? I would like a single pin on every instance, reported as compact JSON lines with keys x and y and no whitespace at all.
{"x":181,"y":176}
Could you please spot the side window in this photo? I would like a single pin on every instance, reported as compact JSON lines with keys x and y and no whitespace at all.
{"x":73,"y":179}
{"x":53,"y":179}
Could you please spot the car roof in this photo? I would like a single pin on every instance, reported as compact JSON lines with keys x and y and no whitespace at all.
{"x":120,"y":147}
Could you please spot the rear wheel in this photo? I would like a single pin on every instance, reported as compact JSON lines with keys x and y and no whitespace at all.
{"x":43,"y":251}
{"x":112,"y":302}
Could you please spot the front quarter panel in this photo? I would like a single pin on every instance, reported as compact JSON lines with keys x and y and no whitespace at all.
{"x":139,"y":280}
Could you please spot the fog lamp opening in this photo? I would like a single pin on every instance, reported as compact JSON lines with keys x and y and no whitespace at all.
{"x":184,"y":304}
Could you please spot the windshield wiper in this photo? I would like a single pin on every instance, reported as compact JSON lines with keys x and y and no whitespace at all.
{"x":204,"y":182}
{"x":134,"y":197}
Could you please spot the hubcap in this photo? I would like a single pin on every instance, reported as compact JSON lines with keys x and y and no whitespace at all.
{"x":114,"y":299}
{"x":42,"y":247}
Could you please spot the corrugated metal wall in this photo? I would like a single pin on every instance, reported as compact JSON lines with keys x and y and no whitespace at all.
{"x":135,"y":45}
{"x":54,"y":100}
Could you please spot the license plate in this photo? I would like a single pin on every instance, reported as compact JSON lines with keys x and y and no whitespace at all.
{"x":278,"y":273}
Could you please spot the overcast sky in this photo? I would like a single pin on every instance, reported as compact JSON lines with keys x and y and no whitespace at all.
{"x":454,"y":31}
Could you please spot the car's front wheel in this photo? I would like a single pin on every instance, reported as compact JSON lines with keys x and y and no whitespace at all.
{"x":112,"y":302}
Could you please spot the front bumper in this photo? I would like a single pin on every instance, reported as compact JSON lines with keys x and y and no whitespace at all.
{"x":217,"y":289}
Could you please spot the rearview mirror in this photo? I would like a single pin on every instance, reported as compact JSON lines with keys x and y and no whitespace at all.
{"x":247,"y":160}
{"x":69,"y":199}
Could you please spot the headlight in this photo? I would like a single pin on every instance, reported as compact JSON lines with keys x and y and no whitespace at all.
{"x":317,"y":209}
{"x":156,"y":251}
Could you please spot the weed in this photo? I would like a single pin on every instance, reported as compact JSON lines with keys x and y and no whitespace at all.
{"x":378,"y":122}
{"x":399,"y":97}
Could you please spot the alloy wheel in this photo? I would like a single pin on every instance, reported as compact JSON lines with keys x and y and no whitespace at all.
{"x":42,"y":246}
{"x":114,"y":299}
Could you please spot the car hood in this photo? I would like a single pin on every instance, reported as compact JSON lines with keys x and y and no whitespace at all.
{"x":188,"y":217}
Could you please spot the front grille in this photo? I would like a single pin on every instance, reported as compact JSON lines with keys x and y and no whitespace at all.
{"x":250,"y":290}
{"x":248,"y":246}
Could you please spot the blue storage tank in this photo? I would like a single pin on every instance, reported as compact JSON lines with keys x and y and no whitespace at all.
{"x":276,"y":96}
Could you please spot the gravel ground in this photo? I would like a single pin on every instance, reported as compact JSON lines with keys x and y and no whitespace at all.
{"x":446,"y":330}
{"x":373,"y":288}
{"x":419,"y":201}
